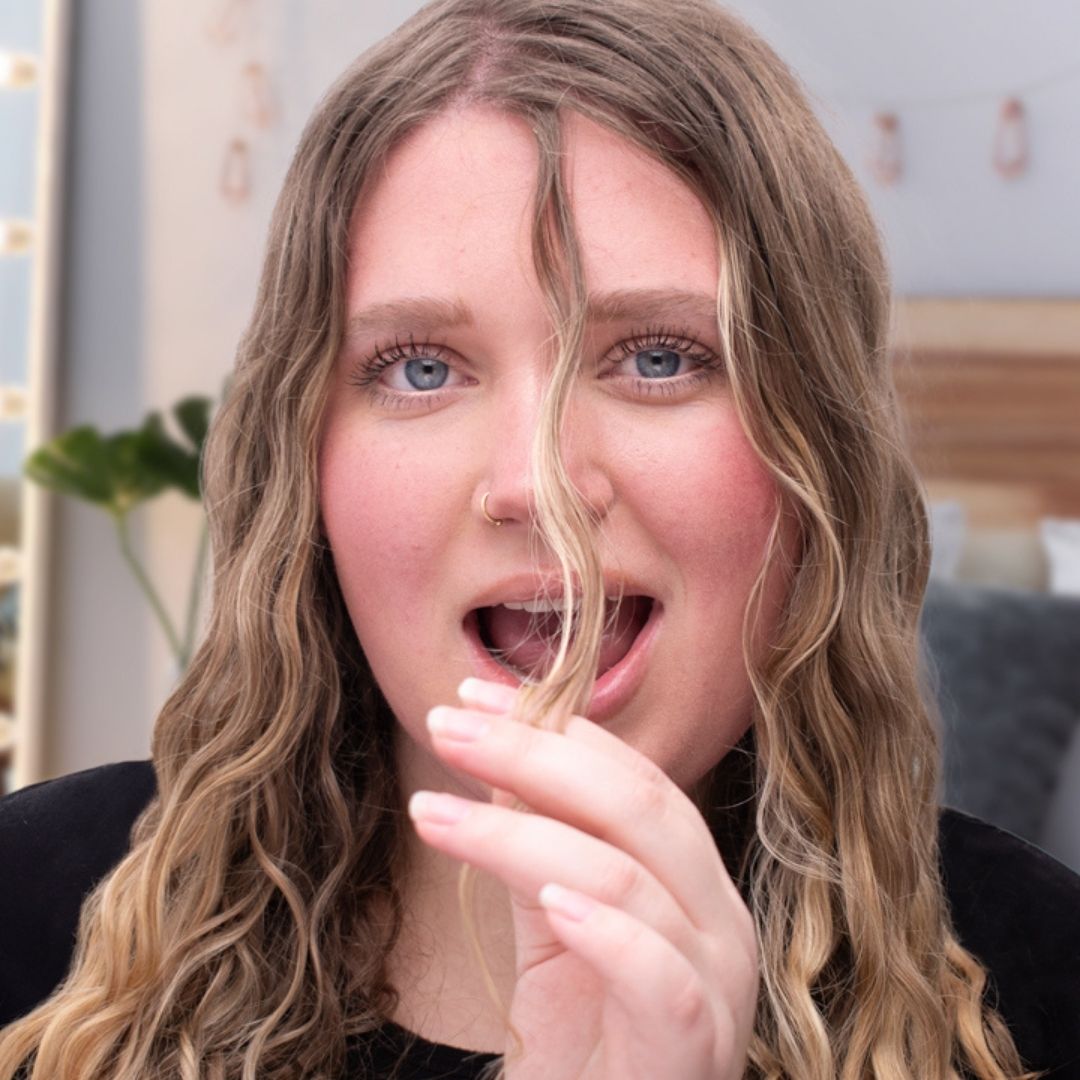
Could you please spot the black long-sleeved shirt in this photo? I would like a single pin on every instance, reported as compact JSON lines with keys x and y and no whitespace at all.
{"x":1015,"y":907}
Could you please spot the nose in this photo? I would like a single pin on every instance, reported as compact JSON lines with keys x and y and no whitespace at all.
{"x":508,"y":493}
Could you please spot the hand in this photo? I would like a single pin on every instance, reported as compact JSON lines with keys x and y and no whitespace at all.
{"x":636,"y":956}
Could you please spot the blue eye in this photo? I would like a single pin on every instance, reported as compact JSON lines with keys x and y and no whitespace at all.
{"x":663,"y":364}
{"x":407,"y":370}
{"x":426,"y":373}
{"x":657,"y":363}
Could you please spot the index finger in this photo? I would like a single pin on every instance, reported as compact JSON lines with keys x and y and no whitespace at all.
{"x":612,"y":791}
{"x":496,"y":698}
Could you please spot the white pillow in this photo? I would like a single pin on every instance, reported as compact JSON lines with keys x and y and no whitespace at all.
{"x":1061,"y":542}
{"x":948,"y":532}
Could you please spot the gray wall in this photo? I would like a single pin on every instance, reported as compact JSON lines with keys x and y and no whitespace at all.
{"x":98,"y":655}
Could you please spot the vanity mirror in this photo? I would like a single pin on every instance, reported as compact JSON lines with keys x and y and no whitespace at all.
{"x":33,"y":79}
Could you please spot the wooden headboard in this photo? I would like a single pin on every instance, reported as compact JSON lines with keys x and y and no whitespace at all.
{"x":991,"y":392}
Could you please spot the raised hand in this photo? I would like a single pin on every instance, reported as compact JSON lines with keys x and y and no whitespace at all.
{"x":636,"y":956}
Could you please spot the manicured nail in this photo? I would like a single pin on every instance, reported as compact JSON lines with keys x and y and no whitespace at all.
{"x":437,"y":807}
{"x":454,"y":724}
{"x":573,"y":905}
{"x":480,"y":692}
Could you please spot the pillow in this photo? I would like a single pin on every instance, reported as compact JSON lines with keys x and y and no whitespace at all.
{"x":1002,"y":666}
{"x":1061,"y":542}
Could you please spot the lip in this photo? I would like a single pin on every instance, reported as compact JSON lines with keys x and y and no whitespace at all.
{"x":528,"y":586}
{"x":612,"y":690}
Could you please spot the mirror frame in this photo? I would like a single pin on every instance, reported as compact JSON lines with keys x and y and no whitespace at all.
{"x":31,"y":681}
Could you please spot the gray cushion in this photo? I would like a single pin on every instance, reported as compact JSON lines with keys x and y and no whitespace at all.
{"x":1005,"y":666}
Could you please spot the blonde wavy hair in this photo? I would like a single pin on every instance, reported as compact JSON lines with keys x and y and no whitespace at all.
{"x":246,"y":932}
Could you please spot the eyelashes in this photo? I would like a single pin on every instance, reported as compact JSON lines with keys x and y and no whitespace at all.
{"x":367,"y":372}
{"x":436,"y":366}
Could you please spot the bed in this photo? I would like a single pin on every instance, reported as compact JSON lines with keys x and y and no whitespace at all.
{"x":990,"y":390}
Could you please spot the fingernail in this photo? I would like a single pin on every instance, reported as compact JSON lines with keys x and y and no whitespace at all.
{"x":455,"y":724}
{"x":493,"y":695}
{"x":573,"y":905}
{"x":437,"y":807}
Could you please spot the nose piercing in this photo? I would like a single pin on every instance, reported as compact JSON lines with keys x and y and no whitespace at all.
{"x":483,"y":510}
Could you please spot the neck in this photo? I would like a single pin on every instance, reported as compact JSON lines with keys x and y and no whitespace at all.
{"x":443,"y":994}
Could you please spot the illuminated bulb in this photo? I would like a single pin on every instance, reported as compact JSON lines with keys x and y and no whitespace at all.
{"x":10,"y":565}
{"x":12,"y":402}
{"x":7,"y":732}
{"x":16,"y":237}
{"x":17,"y":70}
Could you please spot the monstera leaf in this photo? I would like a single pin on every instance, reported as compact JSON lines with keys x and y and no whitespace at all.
{"x":119,"y":471}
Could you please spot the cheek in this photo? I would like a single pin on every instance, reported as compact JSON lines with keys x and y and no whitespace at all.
{"x":380,"y":515}
{"x":712,"y":499}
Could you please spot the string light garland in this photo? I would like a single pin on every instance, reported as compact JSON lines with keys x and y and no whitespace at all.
{"x":906,"y":103}
{"x":235,"y":25}
{"x":1010,"y":152}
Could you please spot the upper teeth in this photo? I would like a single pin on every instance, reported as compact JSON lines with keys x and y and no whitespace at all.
{"x":539,"y":605}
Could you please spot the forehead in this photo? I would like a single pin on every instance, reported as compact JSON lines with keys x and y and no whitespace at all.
{"x":450,"y":215}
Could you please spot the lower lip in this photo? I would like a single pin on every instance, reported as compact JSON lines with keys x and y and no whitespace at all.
{"x":611,"y":691}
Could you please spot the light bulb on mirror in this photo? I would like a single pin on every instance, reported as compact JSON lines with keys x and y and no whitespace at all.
{"x":10,"y":565}
{"x":16,"y":237}
{"x":13,"y":402}
{"x":17,"y":70}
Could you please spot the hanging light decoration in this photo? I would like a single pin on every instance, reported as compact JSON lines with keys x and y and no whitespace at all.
{"x":236,"y":171}
{"x":228,"y":24}
{"x":259,"y":104}
{"x":237,"y":26}
{"x":886,"y":159}
{"x":1010,"y":155}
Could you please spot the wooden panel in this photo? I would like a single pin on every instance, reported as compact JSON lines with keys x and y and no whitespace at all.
{"x":998,"y":429}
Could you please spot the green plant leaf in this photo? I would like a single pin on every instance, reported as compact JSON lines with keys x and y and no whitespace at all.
{"x":76,"y":463}
{"x":119,"y":471}
{"x":135,"y":477}
{"x":193,"y":416}
{"x":163,"y":461}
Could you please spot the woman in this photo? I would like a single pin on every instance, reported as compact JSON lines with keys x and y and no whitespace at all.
{"x":567,"y":370}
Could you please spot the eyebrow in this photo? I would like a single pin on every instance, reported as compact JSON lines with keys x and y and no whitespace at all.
{"x":425,"y":314}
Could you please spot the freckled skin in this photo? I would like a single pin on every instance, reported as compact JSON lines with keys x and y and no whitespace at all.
{"x":686,"y":505}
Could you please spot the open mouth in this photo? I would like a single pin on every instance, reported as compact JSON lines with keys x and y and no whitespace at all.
{"x":523,"y":638}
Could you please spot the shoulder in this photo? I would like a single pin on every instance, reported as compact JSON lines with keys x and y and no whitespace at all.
{"x":58,"y":839}
{"x":1018,"y":910}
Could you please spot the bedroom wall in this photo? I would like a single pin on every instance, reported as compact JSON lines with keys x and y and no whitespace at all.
{"x":162,"y":270}
{"x":952,"y":225}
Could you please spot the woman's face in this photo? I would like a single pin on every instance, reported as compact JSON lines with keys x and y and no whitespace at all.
{"x":443,"y":295}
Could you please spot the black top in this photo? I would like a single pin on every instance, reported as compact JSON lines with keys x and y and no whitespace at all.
{"x":1015,"y":907}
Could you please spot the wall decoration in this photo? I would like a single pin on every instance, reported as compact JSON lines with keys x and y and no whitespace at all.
{"x":236,"y":26}
{"x":258,"y":102}
{"x":236,"y":171}
{"x":886,"y":162}
{"x":229,"y":23}
{"x":1010,"y":155}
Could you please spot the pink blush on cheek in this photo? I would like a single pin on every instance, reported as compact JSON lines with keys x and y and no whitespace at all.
{"x":716,"y":502}
{"x":382,"y":533}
